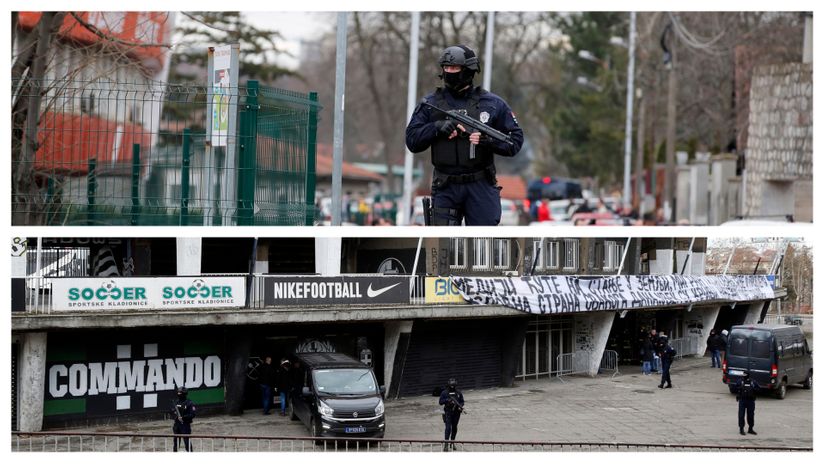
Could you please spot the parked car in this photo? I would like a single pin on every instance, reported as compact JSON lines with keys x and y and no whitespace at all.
{"x":555,"y":188}
{"x":509,"y":213}
{"x":794,"y":319}
{"x":339,"y":397}
{"x":775,"y":355}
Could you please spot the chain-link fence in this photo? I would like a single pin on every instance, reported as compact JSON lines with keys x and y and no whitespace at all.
{"x":113,"y":153}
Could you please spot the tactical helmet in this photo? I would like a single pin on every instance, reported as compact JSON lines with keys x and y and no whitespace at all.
{"x":459,"y":55}
{"x":182,"y":391}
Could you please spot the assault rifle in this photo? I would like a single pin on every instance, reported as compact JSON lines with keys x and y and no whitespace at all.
{"x":454,"y":402}
{"x":178,"y":416}
{"x":470,"y":123}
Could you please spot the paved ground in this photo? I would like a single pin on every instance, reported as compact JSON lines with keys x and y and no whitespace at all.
{"x":627,"y":408}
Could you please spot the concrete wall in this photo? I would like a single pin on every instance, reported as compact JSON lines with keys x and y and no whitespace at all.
{"x":722,"y":204}
{"x":663,"y":264}
{"x":328,"y":256}
{"x":392,"y":335}
{"x":682,"y":194}
{"x":31,"y":381}
{"x":590,"y":332}
{"x":189,"y":251}
{"x":703,"y":319}
{"x":754,"y":311}
{"x":698,"y":207}
{"x":780,"y":139}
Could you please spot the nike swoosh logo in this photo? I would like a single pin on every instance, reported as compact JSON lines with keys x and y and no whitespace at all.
{"x":374,"y":293}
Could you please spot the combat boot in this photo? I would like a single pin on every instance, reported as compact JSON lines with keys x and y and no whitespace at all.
{"x":741,"y":430}
{"x":751,"y":431}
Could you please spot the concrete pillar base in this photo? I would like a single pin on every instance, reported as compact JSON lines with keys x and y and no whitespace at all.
{"x":32,"y":381}
{"x":396,"y":339}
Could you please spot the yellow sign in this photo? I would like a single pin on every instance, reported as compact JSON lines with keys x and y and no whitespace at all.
{"x":441,"y":290}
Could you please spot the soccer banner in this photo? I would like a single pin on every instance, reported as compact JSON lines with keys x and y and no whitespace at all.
{"x":552,"y":294}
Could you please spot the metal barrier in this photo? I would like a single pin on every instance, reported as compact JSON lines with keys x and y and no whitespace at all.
{"x":610,"y":363}
{"x":687,"y":346}
{"x":130,"y":442}
{"x":572,"y":364}
{"x":114,"y":153}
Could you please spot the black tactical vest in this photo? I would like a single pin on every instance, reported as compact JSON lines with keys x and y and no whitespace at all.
{"x":453,"y":156}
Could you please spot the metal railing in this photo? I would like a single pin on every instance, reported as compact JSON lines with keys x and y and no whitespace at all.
{"x":609,"y":363}
{"x":687,"y":346}
{"x":574,"y":363}
{"x":130,"y":442}
{"x":115,"y":153}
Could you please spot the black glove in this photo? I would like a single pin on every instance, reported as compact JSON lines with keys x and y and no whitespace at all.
{"x":445,"y":127}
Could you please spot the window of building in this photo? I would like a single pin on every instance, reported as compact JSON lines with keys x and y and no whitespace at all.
{"x":571,"y":254}
{"x":612,"y":255}
{"x":458,"y":253}
{"x":481,"y":253}
{"x":501,"y":253}
{"x":550,"y":258}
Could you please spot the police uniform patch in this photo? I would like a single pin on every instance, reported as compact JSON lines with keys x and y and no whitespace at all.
{"x":484,"y":117}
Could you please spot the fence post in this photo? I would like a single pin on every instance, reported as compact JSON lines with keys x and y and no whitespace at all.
{"x":135,"y":183}
{"x":49,"y":200}
{"x":312,"y":129}
{"x":184,"y":180}
{"x":91,"y":189}
{"x":248,"y":154}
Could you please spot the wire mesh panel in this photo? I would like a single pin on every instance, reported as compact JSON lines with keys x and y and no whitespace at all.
{"x":115,"y":153}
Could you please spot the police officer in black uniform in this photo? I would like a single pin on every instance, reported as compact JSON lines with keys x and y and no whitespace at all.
{"x":182,"y":411}
{"x":453,"y":401}
{"x":746,"y":395}
{"x":464,"y":184}
{"x":666,"y":354}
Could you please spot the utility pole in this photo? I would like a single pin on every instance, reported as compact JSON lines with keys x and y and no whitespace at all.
{"x":628,"y":127}
{"x":640,"y":152}
{"x":338,"y":117}
{"x":670,"y":153}
{"x":403,"y":216}
{"x":488,"y":50}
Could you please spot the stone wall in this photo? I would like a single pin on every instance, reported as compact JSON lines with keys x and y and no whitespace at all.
{"x":779,"y":153}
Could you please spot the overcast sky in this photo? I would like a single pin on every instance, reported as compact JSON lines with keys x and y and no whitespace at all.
{"x":294,"y":27}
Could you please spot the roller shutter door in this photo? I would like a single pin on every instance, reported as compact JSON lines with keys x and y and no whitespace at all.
{"x":470,"y":351}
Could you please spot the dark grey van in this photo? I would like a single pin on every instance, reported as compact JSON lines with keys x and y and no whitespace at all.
{"x":775,"y":355}
{"x":337,"y":396}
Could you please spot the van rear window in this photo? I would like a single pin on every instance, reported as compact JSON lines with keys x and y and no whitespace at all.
{"x":760,"y":349}
{"x":739,"y":346}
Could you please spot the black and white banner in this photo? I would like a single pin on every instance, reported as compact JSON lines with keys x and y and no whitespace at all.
{"x":570,"y":294}
{"x":316,"y":290}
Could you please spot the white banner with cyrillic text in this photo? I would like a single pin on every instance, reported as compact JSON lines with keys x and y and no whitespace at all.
{"x":552,"y":294}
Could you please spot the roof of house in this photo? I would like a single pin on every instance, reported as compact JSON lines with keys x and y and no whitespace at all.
{"x":323,"y":168}
{"x":512,"y":187}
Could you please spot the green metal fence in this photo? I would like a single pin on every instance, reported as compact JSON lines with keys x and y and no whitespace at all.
{"x":110,"y":153}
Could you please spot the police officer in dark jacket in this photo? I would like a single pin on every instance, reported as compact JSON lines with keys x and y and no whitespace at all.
{"x":746,"y":395}
{"x":464,"y":185}
{"x":666,"y":354}
{"x":453,"y":401}
{"x":714,"y":345}
{"x":183,"y":412}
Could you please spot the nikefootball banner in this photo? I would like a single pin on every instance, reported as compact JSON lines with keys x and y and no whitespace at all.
{"x":315,"y":290}
{"x":553,"y":294}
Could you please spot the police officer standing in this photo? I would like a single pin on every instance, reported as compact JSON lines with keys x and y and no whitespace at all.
{"x":267,"y":381}
{"x":183,"y":412}
{"x":453,"y":401}
{"x":746,"y":395}
{"x":666,"y":353}
{"x":464,"y":184}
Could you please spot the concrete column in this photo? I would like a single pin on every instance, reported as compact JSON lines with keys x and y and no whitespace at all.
{"x":722,"y":169}
{"x":262,"y":258}
{"x":698,"y":191}
{"x":239,"y":345}
{"x":695,"y":265}
{"x":663,"y":264}
{"x":512,"y":341}
{"x":328,"y":256}
{"x":753,"y":313}
{"x":31,"y":381}
{"x":707,"y":318}
{"x":590,"y":332}
{"x":396,"y":340}
{"x":189,"y":255}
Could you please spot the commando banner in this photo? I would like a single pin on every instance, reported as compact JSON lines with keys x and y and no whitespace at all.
{"x":569,"y":294}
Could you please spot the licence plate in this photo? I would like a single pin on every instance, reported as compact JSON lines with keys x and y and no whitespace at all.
{"x":355,"y":429}
{"x":735,"y":372}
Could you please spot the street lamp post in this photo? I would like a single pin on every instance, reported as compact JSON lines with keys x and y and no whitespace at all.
{"x":628,"y":126}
